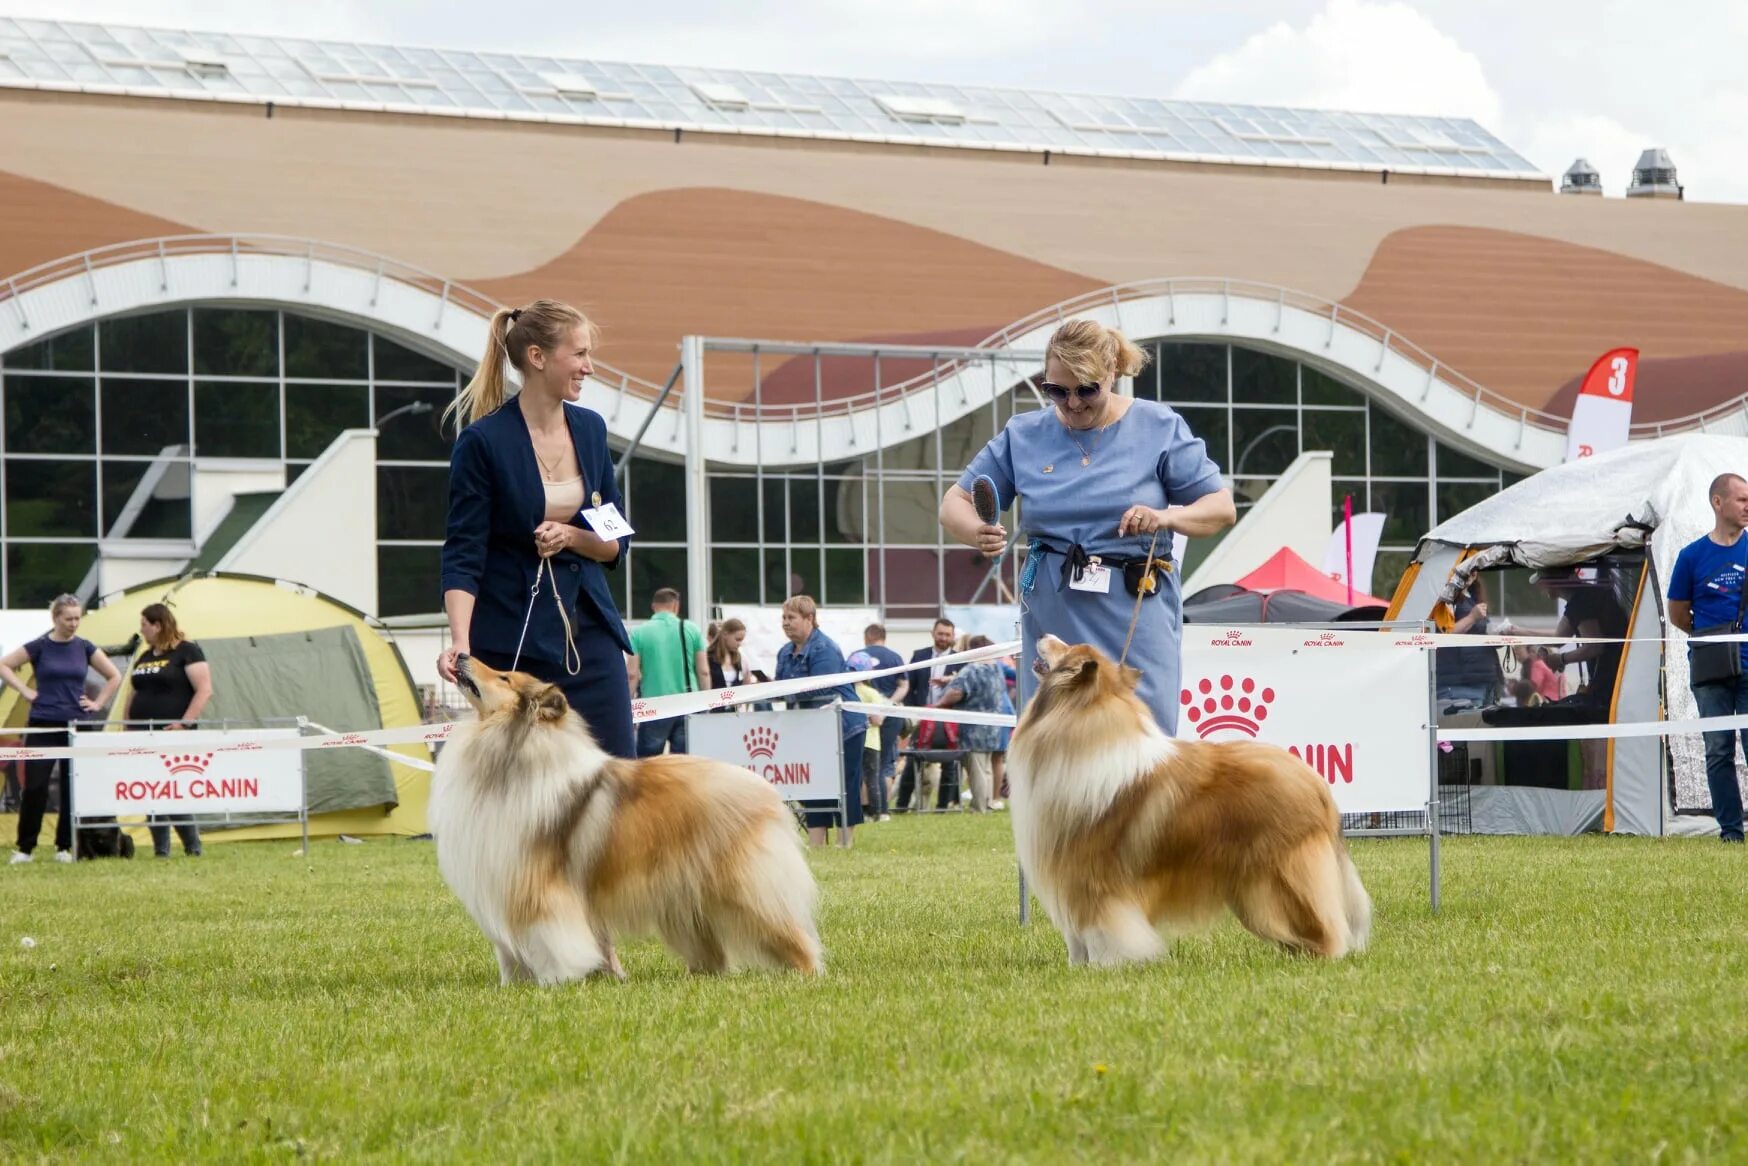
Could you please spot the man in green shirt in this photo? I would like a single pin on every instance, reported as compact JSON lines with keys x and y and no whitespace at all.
{"x":668,"y":657}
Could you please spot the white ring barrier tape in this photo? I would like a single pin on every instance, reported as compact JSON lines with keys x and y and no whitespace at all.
{"x":914,"y":713}
{"x":658,"y":708}
{"x":655,"y":708}
{"x":1597,"y":732}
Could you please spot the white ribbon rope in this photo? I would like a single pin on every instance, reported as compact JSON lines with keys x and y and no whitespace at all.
{"x":681,"y":704}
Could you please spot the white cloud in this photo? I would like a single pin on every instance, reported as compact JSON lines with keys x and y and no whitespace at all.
{"x":1364,"y":55}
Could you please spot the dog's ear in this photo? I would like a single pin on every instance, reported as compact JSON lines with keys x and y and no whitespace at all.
{"x":1084,"y":670}
{"x":548,"y":703}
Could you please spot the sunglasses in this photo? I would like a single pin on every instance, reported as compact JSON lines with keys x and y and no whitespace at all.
{"x":1060,"y":394}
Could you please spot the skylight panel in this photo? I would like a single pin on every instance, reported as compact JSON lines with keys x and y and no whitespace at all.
{"x":571,"y":85}
{"x":722,"y":95}
{"x":923,"y":110}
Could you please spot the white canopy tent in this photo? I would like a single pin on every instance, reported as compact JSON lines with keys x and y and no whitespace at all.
{"x":1651,"y":493}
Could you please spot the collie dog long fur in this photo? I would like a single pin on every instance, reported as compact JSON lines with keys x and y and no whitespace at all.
{"x":556,"y":849}
{"x":1123,"y":830}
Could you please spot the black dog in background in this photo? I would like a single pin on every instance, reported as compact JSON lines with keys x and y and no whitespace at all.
{"x":101,"y":841}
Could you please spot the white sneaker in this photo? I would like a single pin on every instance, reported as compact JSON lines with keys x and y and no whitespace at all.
{"x":63,"y":856}
{"x":997,"y":805}
{"x":21,"y":856}
{"x":886,"y":817}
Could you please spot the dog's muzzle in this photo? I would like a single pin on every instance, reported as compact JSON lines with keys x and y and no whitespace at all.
{"x":464,"y":675}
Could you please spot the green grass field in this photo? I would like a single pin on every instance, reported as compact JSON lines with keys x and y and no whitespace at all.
{"x":1576,"y":1000}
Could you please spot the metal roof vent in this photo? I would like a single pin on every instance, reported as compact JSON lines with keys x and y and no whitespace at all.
{"x":1654,"y":176}
{"x":1581,"y":178}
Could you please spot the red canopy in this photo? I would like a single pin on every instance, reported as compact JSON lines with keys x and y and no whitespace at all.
{"x":1285,"y":570}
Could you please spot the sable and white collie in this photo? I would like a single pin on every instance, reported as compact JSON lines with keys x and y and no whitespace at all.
{"x":1122,"y":830}
{"x":556,"y":848}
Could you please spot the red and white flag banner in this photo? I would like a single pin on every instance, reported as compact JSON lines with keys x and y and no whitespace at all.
{"x":1603,"y":413}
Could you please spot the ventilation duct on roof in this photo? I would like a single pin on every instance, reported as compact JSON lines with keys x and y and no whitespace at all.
{"x":1654,"y":176}
{"x":1581,"y":178}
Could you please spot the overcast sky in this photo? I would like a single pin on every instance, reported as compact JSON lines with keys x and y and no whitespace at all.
{"x":1555,"y":79}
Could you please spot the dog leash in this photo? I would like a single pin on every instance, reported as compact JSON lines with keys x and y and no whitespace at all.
{"x":570,"y":642}
{"x":1149,"y":585}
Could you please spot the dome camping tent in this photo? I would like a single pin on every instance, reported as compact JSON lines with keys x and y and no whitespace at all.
{"x":281,"y":650}
{"x":1623,"y":515}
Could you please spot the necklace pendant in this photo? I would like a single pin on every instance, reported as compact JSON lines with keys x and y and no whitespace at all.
{"x":1085,"y":460}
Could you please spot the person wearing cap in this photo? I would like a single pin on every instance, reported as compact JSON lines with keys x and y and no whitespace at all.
{"x":1705,"y":589}
{"x":1106,"y":479}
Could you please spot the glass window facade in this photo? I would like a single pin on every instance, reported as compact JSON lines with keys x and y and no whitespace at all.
{"x":102,"y":427}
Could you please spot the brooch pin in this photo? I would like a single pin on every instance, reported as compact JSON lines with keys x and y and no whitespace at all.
{"x":596,"y":499}
{"x":1050,"y":469}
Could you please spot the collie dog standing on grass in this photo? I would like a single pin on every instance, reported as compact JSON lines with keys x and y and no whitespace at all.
{"x":1122,"y":830}
{"x":556,"y":849}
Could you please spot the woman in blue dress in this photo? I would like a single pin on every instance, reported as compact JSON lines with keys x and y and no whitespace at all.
{"x":1097,"y":474}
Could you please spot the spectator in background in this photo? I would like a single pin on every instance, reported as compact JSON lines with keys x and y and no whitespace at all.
{"x":729,"y":665}
{"x":873,"y":791}
{"x":667,"y":658}
{"x":172,"y":684}
{"x":896,"y":690}
{"x":1532,"y":662}
{"x":925,"y":684}
{"x":810,"y":652}
{"x":58,"y":662}
{"x":998,"y":759}
{"x":1705,"y":590}
{"x":1468,"y":676}
{"x":977,"y":688}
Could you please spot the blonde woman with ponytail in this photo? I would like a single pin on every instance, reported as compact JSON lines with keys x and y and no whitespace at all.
{"x":1105,"y":479}
{"x":525,"y":467}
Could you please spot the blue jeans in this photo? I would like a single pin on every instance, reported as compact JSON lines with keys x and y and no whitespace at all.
{"x":1725,"y":699}
{"x":889,"y":730}
{"x":654,"y":736}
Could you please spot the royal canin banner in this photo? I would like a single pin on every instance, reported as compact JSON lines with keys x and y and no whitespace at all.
{"x":1351,"y":705}
{"x":195,"y":778}
{"x":1603,"y":413}
{"x":799,"y":751}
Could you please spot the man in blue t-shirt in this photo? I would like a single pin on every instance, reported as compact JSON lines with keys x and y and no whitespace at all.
{"x":1705,"y":590}
{"x":893,"y":688}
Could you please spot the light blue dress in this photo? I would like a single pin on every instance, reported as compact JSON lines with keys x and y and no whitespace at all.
{"x":1150,"y":458}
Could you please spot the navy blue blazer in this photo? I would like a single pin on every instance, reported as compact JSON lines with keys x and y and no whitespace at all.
{"x":495,"y":501}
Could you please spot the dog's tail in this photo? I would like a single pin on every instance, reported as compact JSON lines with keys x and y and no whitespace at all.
{"x":1357,"y":904}
{"x":778,"y":898}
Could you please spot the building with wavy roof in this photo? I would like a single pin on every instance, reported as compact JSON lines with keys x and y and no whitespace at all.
{"x":240,"y":276}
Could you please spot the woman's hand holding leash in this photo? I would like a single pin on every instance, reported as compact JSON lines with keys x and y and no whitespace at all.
{"x":551,"y":537}
{"x":1142,"y":520}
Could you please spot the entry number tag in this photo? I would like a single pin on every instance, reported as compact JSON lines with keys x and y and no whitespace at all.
{"x":607,"y":522}
{"x":1093,"y":578}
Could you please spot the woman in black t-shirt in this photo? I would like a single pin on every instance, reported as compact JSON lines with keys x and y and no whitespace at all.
{"x":171,"y":685}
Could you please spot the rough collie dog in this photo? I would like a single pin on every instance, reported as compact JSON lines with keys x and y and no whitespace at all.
{"x":1122,"y":830}
{"x":556,"y":848}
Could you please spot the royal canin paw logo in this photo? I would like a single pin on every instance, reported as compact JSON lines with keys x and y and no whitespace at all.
{"x":761,"y":742}
{"x":190,"y":763}
{"x":1229,"y":703}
